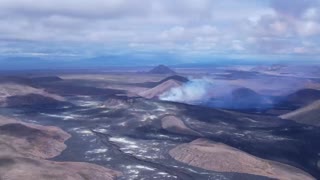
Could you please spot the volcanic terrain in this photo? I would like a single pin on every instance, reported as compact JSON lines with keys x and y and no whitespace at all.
{"x":105,"y":126}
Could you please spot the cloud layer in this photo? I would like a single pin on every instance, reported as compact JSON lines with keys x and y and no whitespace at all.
{"x":248,"y":28}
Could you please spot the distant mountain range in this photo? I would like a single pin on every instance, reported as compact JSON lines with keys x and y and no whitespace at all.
{"x":123,"y":60}
{"x":17,"y":63}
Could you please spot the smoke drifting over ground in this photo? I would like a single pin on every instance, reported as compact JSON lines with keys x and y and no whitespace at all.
{"x":216,"y":94}
{"x":259,"y":92}
{"x":199,"y":91}
{"x":193,"y":91}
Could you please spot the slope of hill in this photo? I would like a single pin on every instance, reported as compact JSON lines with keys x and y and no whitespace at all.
{"x":309,"y":114}
{"x":247,"y":98}
{"x":155,"y":92}
{"x":158,"y":88}
{"x":12,"y":94}
{"x":219,"y":157}
{"x":242,"y":94}
{"x":30,"y":145}
{"x":34,"y":100}
{"x":241,"y":99}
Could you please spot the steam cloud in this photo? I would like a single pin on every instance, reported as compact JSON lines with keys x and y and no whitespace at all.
{"x":192,"y":91}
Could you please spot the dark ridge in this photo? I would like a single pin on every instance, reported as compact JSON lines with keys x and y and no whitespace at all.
{"x":162,"y":69}
{"x":46,"y":79}
{"x":15,"y":79}
{"x":30,"y":81}
{"x":154,"y":84}
{"x":121,"y":98}
{"x":242,"y":99}
{"x":176,"y":78}
{"x":35,"y":100}
{"x":237,"y":74}
{"x":301,"y":98}
{"x":243,"y":93}
{"x":66,"y":89}
{"x":247,"y":98}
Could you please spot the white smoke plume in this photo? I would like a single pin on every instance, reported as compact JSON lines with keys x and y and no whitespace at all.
{"x":193,"y":91}
{"x":219,"y":92}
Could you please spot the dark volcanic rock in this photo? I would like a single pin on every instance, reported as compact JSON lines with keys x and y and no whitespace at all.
{"x":162,"y":69}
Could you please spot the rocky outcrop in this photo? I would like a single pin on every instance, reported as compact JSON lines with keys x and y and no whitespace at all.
{"x":118,"y":102}
{"x":219,"y":157}
{"x":176,"y":125}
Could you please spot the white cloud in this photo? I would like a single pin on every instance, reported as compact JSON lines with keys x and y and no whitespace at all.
{"x":308,"y":28}
{"x":181,"y":26}
{"x":237,"y":45}
{"x":75,"y":8}
{"x":279,"y":27}
{"x":285,"y":31}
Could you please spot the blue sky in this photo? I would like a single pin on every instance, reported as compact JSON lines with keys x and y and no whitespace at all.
{"x":188,"y":31}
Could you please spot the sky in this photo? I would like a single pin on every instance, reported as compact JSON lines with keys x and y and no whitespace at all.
{"x":184,"y":31}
